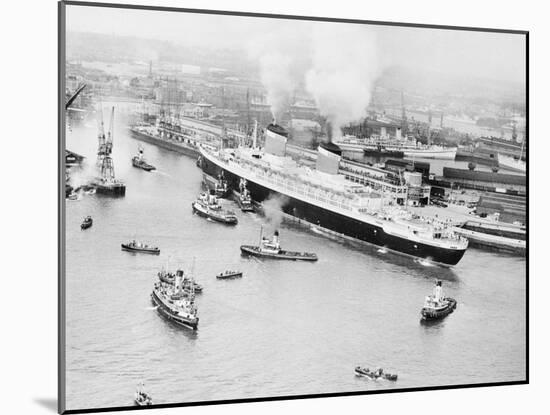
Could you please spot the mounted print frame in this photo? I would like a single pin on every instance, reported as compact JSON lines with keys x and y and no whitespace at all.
{"x":261,"y":207}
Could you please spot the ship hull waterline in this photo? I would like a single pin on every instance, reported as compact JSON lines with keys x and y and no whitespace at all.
{"x":250,"y":250}
{"x":165,"y":312}
{"x":127,"y":248}
{"x":212,"y":217}
{"x":340,"y":224}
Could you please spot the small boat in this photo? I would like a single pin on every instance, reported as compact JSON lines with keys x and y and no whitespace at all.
{"x":87,"y":223}
{"x":229,"y":274}
{"x":142,"y":398}
{"x":207,"y":206}
{"x":375,"y":374}
{"x":221,"y":188}
{"x":272,"y":249}
{"x":244,"y":199}
{"x":139,"y":161}
{"x":135,"y":246}
{"x":437,"y":305}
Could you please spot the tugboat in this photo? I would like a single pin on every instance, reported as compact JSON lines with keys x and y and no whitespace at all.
{"x":169,"y":278}
{"x":229,"y":274}
{"x":139,"y":161}
{"x":208,"y":207}
{"x":220,"y":187}
{"x":437,"y":305}
{"x":376,"y":374}
{"x":86,"y":223}
{"x":271,"y":249}
{"x":135,"y":246}
{"x":244,"y":199}
{"x":142,"y":398}
{"x":174,"y":303}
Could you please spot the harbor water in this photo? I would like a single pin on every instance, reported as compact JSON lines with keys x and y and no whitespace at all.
{"x":285,"y":328}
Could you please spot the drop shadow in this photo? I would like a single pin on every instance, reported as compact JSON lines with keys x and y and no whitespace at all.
{"x":48,"y":403}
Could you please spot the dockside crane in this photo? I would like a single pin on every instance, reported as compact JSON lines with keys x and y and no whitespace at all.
{"x":74,"y":96}
{"x":105,"y":148}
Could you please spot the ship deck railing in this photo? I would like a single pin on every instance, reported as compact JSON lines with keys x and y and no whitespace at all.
{"x":330,"y":198}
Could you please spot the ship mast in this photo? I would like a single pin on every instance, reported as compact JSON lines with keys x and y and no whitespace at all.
{"x":255,"y":135}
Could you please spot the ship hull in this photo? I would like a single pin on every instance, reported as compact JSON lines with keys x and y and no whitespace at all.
{"x":205,"y":214}
{"x":338,"y":223}
{"x":142,"y":165}
{"x":251,"y":250}
{"x":384,"y":153}
{"x":181,"y":148}
{"x":166,"y":313}
{"x":431,"y":154}
{"x":128,"y":248}
{"x":111,"y":190}
{"x":511,"y":164}
{"x":429,"y":314}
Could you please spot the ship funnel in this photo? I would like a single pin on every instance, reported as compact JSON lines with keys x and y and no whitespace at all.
{"x":327,"y":160}
{"x":438,"y":291}
{"x":178,"y":282}
{"x":275,"y":140}
{"x":276,"y":238}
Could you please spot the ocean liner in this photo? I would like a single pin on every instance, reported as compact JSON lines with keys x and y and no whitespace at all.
{"x":395,"y":147}
{"x":328,"y":200}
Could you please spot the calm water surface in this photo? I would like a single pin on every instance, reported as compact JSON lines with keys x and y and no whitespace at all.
{"x":285,"y":328}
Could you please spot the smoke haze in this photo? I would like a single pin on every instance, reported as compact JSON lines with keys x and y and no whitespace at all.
{"x":273,"y":209}
{"x":344,"y":69}
{"x":281,"y":58}
{"x":337,"y":65}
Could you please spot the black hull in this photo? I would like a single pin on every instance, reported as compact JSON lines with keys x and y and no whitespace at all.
{"x":181,"y":148}
{"x":166,"y":313}
{"x":116,"y":190}
{"x":436,"y":315}
{"x":143,"y":166}
{"x":382,"y":153}
{"x":142,"y":251}
{"x":226,"y":277}
{"x":283,"y":255}
{"x":340,"y":224}
{"x":85,"y":226}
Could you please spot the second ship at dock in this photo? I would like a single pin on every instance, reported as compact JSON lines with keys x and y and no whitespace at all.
{"x":324,"y":198}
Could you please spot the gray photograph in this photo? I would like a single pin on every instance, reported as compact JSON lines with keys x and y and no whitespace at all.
{"x":264,"y":207}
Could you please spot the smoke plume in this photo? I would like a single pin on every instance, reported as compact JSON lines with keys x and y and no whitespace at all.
{"x":83,"y":174}
{"x":281,"y":57}
{"x":273,"y":209}
{"x":337,"y":62}
{"x":344,"y":68}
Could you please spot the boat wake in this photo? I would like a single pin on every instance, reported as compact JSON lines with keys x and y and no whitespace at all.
{"x":152,"y":308}
{"x":424,"y":262}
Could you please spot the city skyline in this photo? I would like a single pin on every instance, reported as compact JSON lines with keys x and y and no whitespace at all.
{"x":496,"y":56}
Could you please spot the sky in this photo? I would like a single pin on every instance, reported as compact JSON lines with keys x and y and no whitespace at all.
{"x":493,"y":56}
